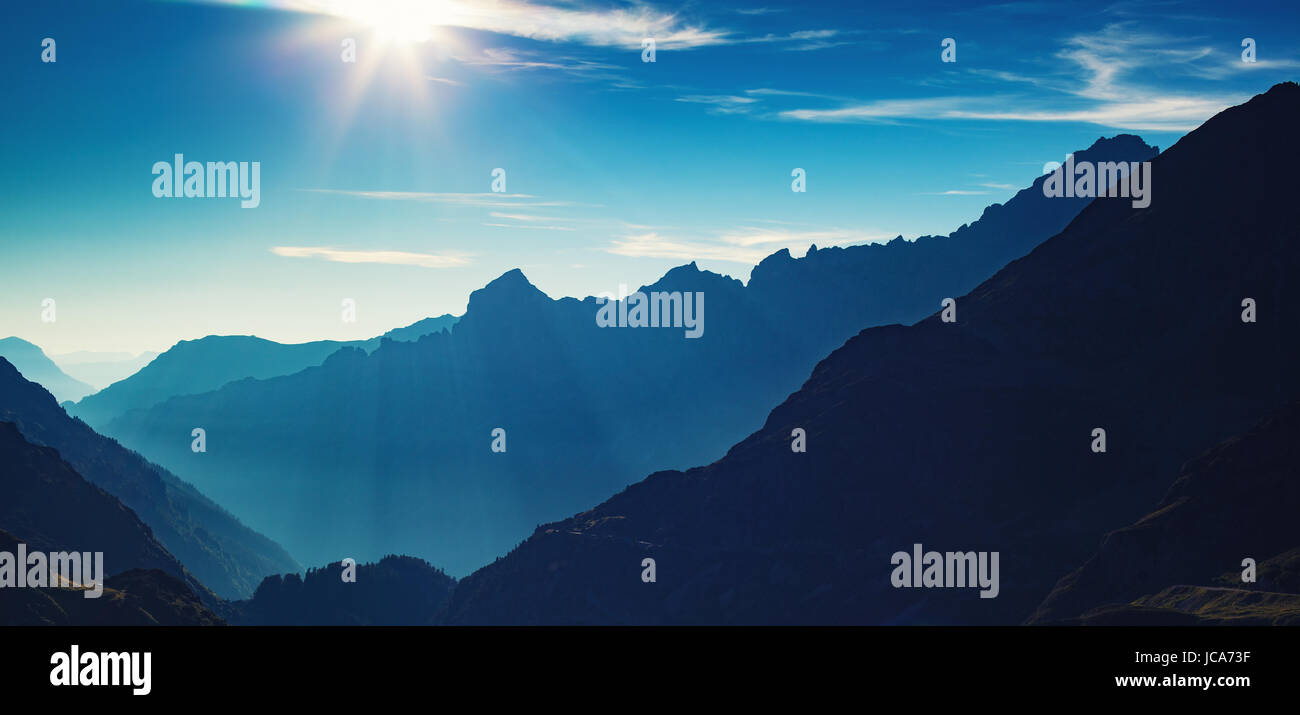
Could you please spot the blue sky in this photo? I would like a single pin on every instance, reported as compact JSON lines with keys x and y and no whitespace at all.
{"x":375,"y":176}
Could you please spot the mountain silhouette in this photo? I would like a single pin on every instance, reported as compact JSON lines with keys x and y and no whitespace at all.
{"x":395,"y":591}
{"x":225,"y":555}
{"x":1236,"y":501}
{"x":975,"y":435}
{"x":195,"y":366}
{"x":32,"y":362}
{"x":903,"y":281}
{"x":585,"y":410}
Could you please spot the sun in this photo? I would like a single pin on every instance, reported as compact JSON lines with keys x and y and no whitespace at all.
{"x":397,"y":48}
{"x":401,"y":22}
{"x":388,"y":33}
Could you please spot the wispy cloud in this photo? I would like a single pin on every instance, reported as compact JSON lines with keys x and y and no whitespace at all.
{"x":1166,"y":114}
{"x":595,"y":26}
{"x":721,"y":103}
{"x":1153,"y":113}
{"x":751,"y":101}
{"x":505,"y":58}
{"x":490,"y":200}
{"x":1234,"y":67}
{"x":531,"y":226}
{"x":747,"y":245}
{"x":769,"y":92}
{"x":1101,"y":84}
{"x":799,"y":40}
{"x":525,"y":217}
{"x":884,"y":110}
{"x":397,"y":258}
{"x":955,"y":192}
{"x":533,"y":221}
{"x":808,"y":40}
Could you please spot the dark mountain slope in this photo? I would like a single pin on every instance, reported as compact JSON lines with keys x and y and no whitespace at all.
{"x":224,"y":554}
{"x":50,"y":508}
{"x":1236,"y":501}
{"x":586,"y":409}
{"x":973,"y":436}
{"x":138,"y":597}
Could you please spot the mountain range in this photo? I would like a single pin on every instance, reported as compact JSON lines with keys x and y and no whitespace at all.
{"x":1162,"y":334}
{"x":981,"y":435}
{"x":585,"y":410}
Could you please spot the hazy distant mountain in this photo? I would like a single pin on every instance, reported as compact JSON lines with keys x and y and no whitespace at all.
{"x":225,"y":555}
{"x":35,"y":366}
{"x":420,"y":328}
{"x":391,"y":451}
{"x":195,"y":366}
{"x":396,"y":591}
{"x":1238,"y":500}
{"x":975,"y":435}
{"x":100,"y":370}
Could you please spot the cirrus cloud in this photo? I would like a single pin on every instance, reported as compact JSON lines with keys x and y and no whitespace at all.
{"x":396,"y":258}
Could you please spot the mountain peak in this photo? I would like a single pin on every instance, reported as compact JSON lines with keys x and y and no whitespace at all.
{"x":513,"y":279}
{"x":15,"y":340}
{"x":689,"y":277}
{"x":769,"y":263}
{"x":1117,"y":148}
{"x":688,"y":269}
{"x":508,"y":289}
{"x":1120,"y":141}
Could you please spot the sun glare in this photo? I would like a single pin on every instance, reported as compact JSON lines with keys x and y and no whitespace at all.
{"x":394,"y":21}
{"x":397,"y":45}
